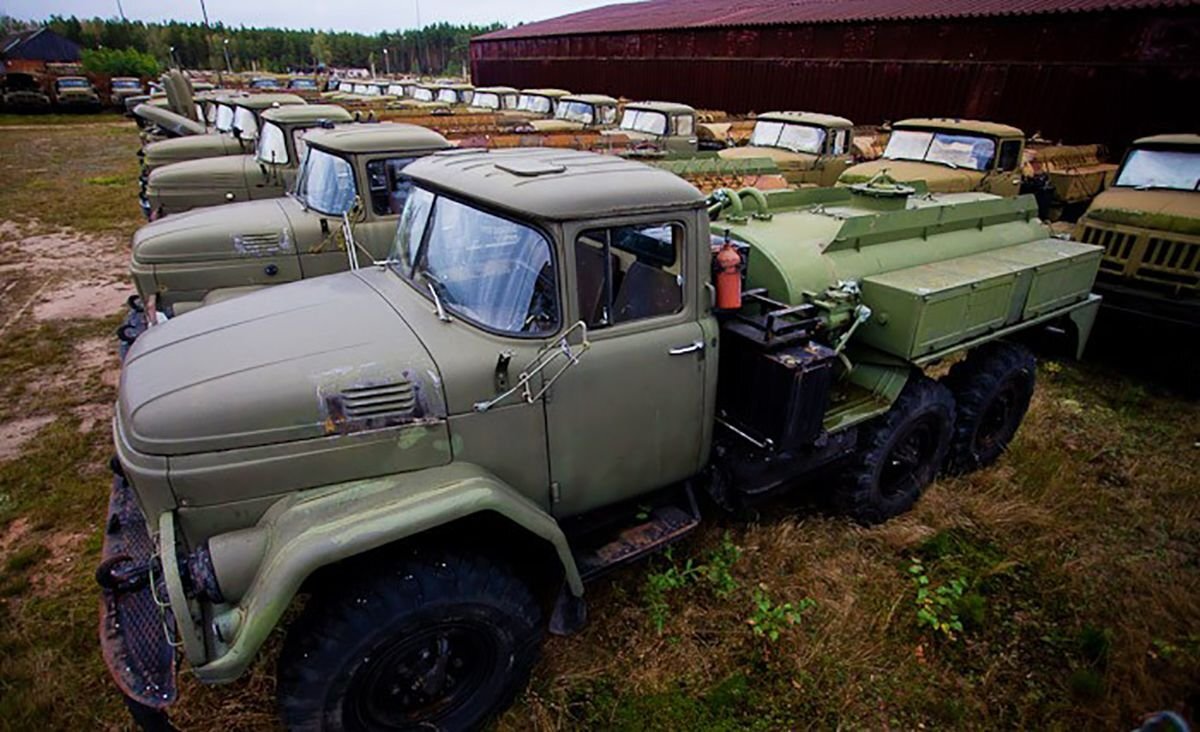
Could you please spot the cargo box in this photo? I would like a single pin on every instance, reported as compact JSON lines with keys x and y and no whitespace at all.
{"x":932,"y":307}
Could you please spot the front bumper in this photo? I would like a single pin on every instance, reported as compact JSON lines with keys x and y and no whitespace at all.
{"x":137,"y":626}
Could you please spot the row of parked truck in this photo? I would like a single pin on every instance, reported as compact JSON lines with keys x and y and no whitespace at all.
{"x":436,"y":389}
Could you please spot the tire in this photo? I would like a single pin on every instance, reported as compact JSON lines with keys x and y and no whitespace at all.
{"x":992,"y":388}
{"x":360,"y":653}
{"x":899,"y":453}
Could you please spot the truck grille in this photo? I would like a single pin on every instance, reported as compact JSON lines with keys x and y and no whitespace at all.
{"x":1174,"y":263}
{"x":375,"y":402}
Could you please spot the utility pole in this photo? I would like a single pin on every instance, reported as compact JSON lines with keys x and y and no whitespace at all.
{"x":418,"y":4}
{"x":121,"y":11}
{"x":228,"y":66}
{"x":387,"y":63}
{"x":204,"y":12}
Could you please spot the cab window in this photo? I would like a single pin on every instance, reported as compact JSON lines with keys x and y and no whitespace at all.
{"x":684,"y":124}
{"x":608,"y":115}
{"x":389,"y":186}
{"x":1010,"y":155}
{"x":840,"y":142}
{"x":627,"y":273}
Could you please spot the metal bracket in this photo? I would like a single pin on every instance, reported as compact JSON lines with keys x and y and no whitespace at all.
{"x":547,"y":355}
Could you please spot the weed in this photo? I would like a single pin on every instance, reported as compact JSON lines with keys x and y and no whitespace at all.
{"x":25,"y":557}
{"x":769,"y":620}
{"x":938,"y":605}
{"x":659,"y":584}
{"x":718,"y":570}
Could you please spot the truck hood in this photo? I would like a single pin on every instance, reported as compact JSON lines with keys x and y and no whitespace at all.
{"x":247,"y":229}
{"x":1160,"y":210}
{"x":939,"y":178}
{"x":164,"y":152}
{"x":311,"y":359}
{"x":228,"y":172}
{"x":555,"y":125}
{"x":804,"y":161}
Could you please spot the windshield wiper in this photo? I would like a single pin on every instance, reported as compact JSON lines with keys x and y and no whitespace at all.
{"x":432,"y":284}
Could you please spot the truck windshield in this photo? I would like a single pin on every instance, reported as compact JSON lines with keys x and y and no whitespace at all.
{"x":302,"y":84}
{"x":492,"y":271}
{"x":224,"y":120}
{"x":644,"y":120}
{"x":972,"y":152}
{"x":272,"y":145}
{"x":126,"y":84}
{"x":534,"y":103}
{"x":447,"y":95}
{"x":581,"y":112}
{"x":1173,"y":169}
{"x":72,"y":84}
{"x":264,"y":84}
{"x":421,"y":94}
{"x":396,"y":90}
{"x":794,"y":137}
{"x":245,"y":122}
{"x":325,"y":183}
{"x":487,"y":100}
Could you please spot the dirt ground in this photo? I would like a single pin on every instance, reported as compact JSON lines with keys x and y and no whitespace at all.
{"x":1067,"y":576}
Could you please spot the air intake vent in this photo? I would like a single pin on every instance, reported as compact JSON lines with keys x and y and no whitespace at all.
{"x":379,"y":402}
{"x":259,"y":244}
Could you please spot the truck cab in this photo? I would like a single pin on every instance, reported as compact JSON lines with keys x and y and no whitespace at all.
{"x":75,"y":93}
{"x":350,"y":176}
{"x":949,"y":156}
{"x":236,"y":124}
{"x":494,"y":98}
{"x":122,"y":88}
{"x":21,"y":92}
{"x":810,"y":149}
{"x":268,"y":173}
{"x":577,"y":113}
{"x":661,"y":126}
{"x":1149,"y":225}
{"x":533,"y":104}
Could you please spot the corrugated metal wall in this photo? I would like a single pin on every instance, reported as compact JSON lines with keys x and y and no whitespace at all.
{"x":1101,"y":77}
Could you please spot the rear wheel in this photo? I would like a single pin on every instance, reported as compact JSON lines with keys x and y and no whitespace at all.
{"x":436,"y":642}
{"x":899,"y":453}
{"x":992,"y":389}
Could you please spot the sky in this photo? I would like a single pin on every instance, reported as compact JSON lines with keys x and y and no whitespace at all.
{"x":366,"y":16}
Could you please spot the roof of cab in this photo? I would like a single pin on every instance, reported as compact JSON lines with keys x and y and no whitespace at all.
{"x":995,"y":129}
{"x":495,"y":89}
{"x":455,"y":86}
{"x":806,"y":118}
{"x":302,"y":113}
{"x":554,"y":184}
{"x":376,"y":137}
{"x":265,"y":101}
{"x":589,"y":98}
{"x":547,"y":92}
{"x":1185,"y":139}
{"x":665,"y":107}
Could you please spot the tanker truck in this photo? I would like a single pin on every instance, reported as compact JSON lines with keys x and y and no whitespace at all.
{"x":439,"y":448}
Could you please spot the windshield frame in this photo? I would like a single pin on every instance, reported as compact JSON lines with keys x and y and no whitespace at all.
{"x":637,"y":114}
{"x":223,"y":121}
{"x":776,"y":144}
{"x":934,"y":133}
{"x":548,"y":100}
{"x":1192,"y":151}
{"x":409,"y":272}
{"x":564,"y":112}
{"x":260,"y":144}
{"x":302,"y":179}
{"x":243,"y":133}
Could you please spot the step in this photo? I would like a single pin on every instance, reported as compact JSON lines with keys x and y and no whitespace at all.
{"x":665,"y":525}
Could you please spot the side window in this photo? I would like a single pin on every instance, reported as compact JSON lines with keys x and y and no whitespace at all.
{"x":608,"y":115}
{"x":299,"y":143}
{"x":684,"y":124}
{"x":389,"y":186}
{"x":626,"y":273}
{"x":1010,"y":155}
{"x":837,"y":145}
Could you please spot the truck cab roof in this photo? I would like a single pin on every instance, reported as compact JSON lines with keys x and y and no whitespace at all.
{"x":600,"y":99}
{"x":379,"y":137}
{"x":993,"y":129}
{"x":307,"y":114}
{"x":670,"y":108}
{"x":814,"y":119}
{"x":1169,"y":140}
{"x":554,"y":184}
{"x":552,"y":93}
{"x":265,"y":101}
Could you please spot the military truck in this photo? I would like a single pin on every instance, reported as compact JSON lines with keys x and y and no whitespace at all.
{"x":494,"y":98}
{"x":122,"y":88}
{"x":951,"y":155}
{"x":576,"y":113}
{"x":669,"y":127}
{"x":440,"y":446}
{"x":810,"y":149}
{"x":1149,"y":226}
{"x":20,"y":92}
{"x":267,"y":173}
{"x":533,"y":104}
{"x":237,"y":120}
{"x":75,"y":94}
{"x":351,"y":179}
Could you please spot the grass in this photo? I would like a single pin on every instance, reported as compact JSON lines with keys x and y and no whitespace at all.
{"x":1079,"y":555}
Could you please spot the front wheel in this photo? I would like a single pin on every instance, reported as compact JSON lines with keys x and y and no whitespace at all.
{"x":435,"y":642}
{"x":899,"y":453}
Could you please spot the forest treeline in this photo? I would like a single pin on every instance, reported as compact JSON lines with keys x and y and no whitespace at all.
{"x":440,"y":48}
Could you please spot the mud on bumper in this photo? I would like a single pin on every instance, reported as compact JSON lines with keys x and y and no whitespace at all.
{"x":136,"y":624}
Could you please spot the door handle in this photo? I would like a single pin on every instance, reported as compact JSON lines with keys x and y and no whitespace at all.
{"x":689,"y":348}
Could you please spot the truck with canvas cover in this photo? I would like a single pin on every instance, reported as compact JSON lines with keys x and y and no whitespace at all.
{"x":270,"y":171}
{"x":441,"y":446}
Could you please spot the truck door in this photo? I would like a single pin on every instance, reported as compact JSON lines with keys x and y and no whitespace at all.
{"x":1005,"y":178}
{"x":629,"y":416}
{"x":837,"y":156}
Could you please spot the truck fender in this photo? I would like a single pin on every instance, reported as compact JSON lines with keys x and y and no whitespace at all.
{"x":311,"y":529}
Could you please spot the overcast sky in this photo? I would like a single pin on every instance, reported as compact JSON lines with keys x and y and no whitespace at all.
{"x":367,"y":16}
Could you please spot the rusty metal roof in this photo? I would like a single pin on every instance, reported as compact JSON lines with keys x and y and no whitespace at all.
{"x":673,"y":14}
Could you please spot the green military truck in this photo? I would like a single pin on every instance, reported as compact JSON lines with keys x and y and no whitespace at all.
{"x":267,"y":173}
{"x":75,"y":94}
{"x":1149,"y":226}
{"x":809,"y":149}
{"x":494,"y":98}
{"x":576,"y":113}
{"x":439,"y":447}
{"x":351,"y":178}
{"x":668,"y":127}
{"x":122,"y":88}
{"x":533,"y":104}
{"x":236,"y":122}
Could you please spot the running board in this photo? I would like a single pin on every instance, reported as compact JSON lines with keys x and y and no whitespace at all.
{"x":664,"y":526}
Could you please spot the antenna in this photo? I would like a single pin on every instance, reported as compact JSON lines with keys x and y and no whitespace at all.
{"x":121,"y":11}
